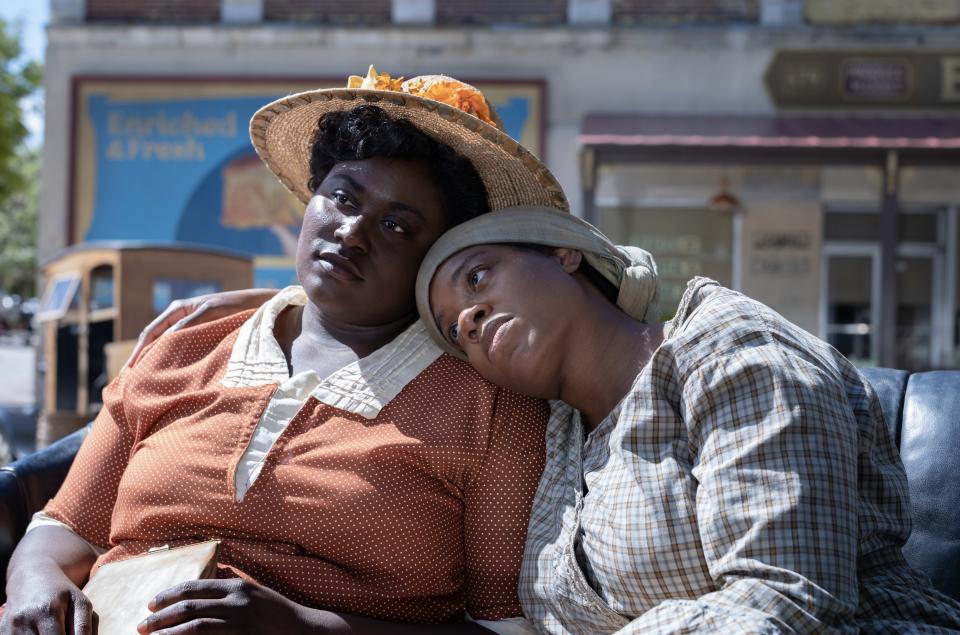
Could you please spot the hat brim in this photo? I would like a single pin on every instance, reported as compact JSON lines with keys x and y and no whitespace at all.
{"x":282,"y":131}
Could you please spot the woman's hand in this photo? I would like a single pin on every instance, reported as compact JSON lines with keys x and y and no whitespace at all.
{"x":43,"y":585}
{"x":240,"y":607}
{"x":226,"y":606}
{"x":48,"y":604}
{"x":199,"y":310}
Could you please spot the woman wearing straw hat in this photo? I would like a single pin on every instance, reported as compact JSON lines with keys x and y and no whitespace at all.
{"x":347,"y":465}
{"x":724,"y":472}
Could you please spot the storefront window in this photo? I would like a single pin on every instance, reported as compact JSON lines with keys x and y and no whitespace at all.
{"x":853,"y":288}
{"x":851,"y":318}
{"x":865,"y":226}
{"x":685,"y":242}
{"x":914,"y":312}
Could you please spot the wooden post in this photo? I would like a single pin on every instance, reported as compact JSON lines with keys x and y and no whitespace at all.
{"x":588,"y":183}
{"x":888,"y":260}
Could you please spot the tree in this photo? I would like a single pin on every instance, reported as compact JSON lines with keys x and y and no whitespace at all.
{"x":18,"y":228}
{"x":19,"y":168}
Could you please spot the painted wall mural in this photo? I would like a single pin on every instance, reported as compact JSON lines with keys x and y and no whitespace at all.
{"x":169,"y":160}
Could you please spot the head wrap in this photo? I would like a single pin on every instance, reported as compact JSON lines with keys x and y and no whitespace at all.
{"x":630,"y":269}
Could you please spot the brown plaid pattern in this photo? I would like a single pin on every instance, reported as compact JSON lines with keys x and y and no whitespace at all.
{"x":746,"y":484}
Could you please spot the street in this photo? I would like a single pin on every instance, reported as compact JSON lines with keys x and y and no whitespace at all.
{"x":16,"y":374}
{"x":17,"y":422}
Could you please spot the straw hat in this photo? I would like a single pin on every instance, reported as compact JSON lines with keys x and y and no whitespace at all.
{"x":282,"y":132}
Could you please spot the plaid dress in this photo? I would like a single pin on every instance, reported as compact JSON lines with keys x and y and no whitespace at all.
{"x":745,"y":484}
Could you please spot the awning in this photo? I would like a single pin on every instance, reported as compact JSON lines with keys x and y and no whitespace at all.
{"x":888,"y":142}
{"x":936,"y":132}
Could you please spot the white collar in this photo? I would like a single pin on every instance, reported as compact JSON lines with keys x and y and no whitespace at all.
{"x":363,"y":387}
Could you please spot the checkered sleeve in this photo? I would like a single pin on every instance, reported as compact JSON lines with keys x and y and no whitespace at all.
{"x":774,"y":449}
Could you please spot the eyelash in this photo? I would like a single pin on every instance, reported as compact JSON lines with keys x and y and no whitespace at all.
{"x":387,"y":222}
{"x":452,"y":331}
{"x":391,"y":225}
{"x":474,"y":272}
{"x":340,"y":198}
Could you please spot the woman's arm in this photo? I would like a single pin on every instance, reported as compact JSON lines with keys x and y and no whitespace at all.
{"x":775,"y":456}
{"x":52,"y":562}
{"x":44,"y":577}
{"x":199,"y":310}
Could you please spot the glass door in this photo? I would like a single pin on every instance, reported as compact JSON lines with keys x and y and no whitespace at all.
{"x":919,"y":299}
{"x":849,"y":314}
{"x":927,"y":329}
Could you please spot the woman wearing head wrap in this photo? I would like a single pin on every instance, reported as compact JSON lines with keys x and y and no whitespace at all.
{"x":348,"y":467}
{"x":723,"y":472}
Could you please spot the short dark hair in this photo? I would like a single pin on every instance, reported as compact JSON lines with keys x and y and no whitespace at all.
{"x":367,"y":131}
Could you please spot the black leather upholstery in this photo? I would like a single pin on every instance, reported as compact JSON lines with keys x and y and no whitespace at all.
{"x":891,"y":387}
{"x":922,"y":412}
{"x":930,"y":449}
{"x":26,"y":486}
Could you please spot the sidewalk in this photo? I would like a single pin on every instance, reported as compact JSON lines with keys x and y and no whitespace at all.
{"x":16,"y":392}
{"x":16,"y":374}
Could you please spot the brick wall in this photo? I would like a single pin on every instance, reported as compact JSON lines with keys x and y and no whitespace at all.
{"x":843,"y":12}
{"x":328,"y":11}
{"x":534,"y":12}
{"x":152,"y":10}
{"x":630,"y":12}
{"x":450,"y":12}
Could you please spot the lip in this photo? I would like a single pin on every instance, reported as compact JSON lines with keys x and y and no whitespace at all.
{"x":491,"y":328}
{"x":340,"y":267}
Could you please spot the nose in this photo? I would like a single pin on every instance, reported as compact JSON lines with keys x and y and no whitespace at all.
{"x":352,"y":233}
{"x":470,"y":319}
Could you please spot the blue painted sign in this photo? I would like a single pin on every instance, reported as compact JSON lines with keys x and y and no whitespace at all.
{"x":165,"y":161}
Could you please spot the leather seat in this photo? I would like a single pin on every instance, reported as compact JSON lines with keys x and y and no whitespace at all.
{"x":923,"y":414}
{"x":922,"y":411}
{"x":26,"y":486}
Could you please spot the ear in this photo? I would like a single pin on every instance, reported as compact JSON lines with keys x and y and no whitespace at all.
{"x":570,"y":259}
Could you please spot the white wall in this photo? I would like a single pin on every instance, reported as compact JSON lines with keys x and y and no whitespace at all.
{"x":587,"y":70}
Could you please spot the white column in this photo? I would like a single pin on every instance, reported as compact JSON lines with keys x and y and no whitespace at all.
{"x":589,"y":12}
{"x":241,"y":11}
{"x":67,"y":11}
{"x":781,"y":12}
{"x":414,"y":11}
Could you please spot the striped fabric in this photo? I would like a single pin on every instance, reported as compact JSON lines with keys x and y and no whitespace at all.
{"x":745,"y":484}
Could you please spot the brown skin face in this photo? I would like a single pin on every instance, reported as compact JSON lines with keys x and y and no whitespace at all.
{"x":508,"y":309}
{"x":364,"y":234}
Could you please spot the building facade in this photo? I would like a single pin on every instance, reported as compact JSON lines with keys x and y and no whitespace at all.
{"x":804,"y":152}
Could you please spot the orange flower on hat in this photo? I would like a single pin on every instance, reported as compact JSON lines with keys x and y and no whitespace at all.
{"x":375,"y":81}
{"x":459,"y":95}
{"x":440,"y":88}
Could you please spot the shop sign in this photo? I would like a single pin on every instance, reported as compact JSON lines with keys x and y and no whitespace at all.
{"x":806,"y":79}
{"x":781,"y":253}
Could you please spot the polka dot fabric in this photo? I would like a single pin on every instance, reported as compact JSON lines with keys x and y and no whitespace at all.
{"x":418,"y":514}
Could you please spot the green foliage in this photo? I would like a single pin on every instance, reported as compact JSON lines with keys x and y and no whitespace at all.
{"x":18,"y":228}
{"x":19,"y":168}
{"x":17,"y":80}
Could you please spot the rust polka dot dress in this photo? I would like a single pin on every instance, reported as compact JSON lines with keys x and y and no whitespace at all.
{"x":397,"y":488}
